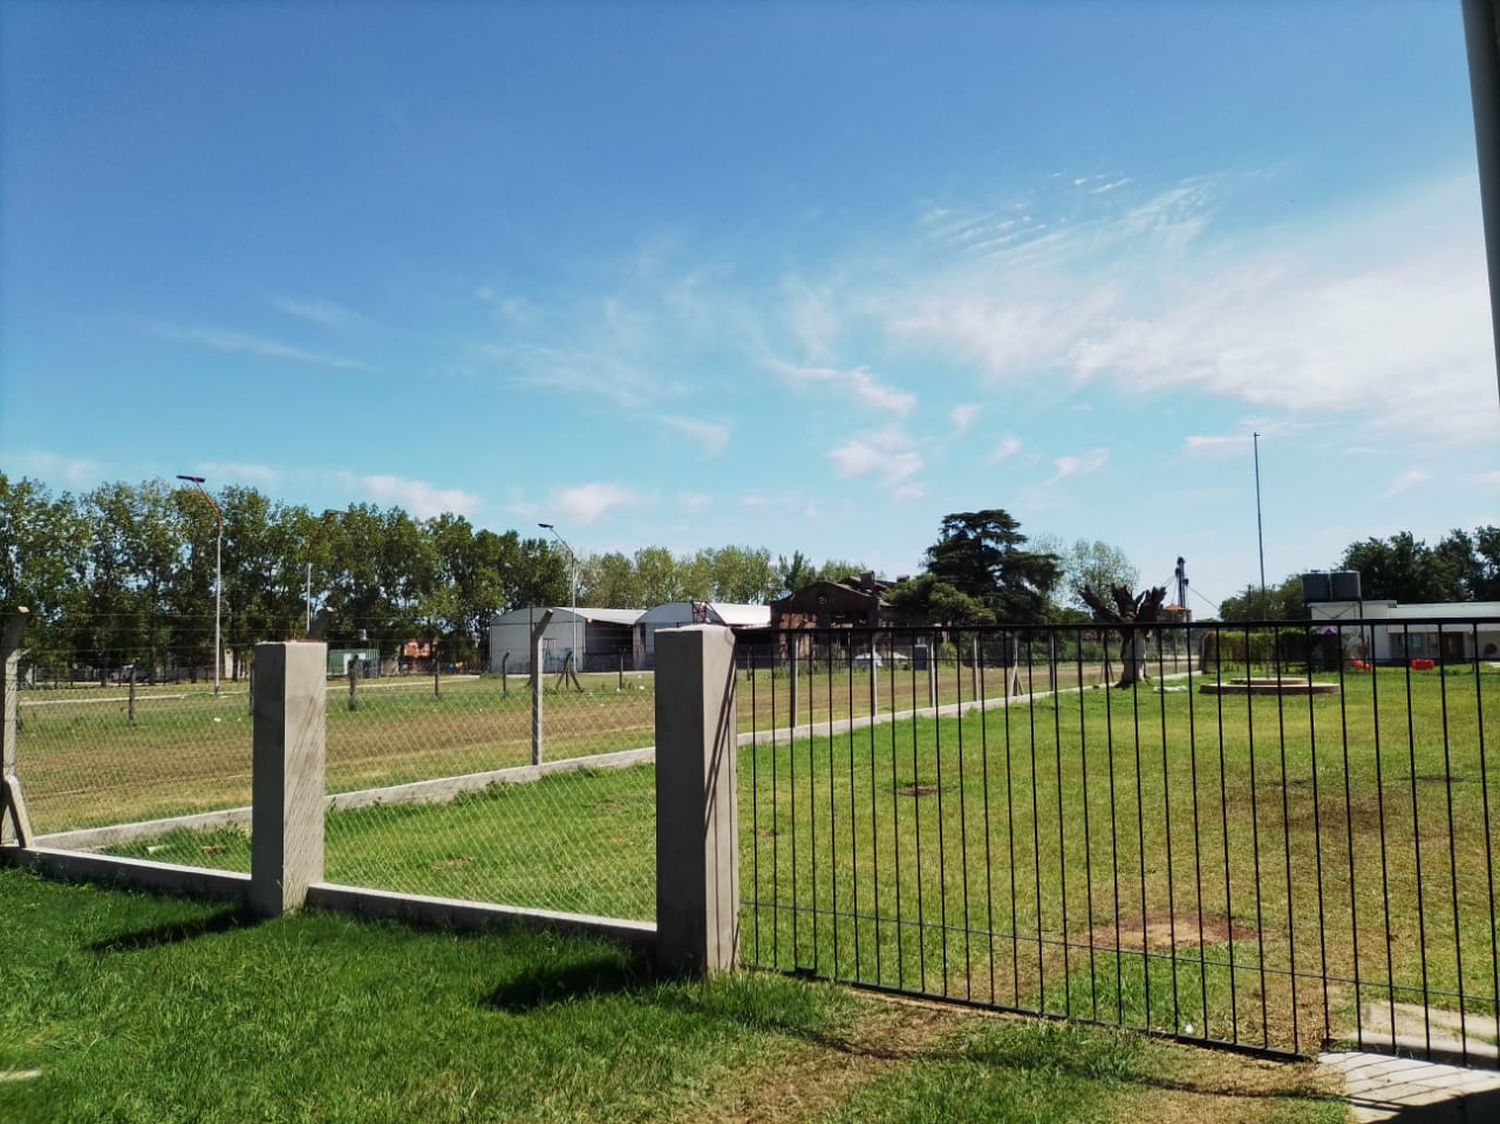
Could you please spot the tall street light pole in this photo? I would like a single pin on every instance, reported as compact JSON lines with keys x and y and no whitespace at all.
{"x":573,"y":584}
{"x":197,"y":482}
{"x":1260,"y":534}
{"x":328,"y":515}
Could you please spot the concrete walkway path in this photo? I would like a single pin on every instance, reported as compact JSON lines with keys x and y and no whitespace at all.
{"x":1381,"y":1087}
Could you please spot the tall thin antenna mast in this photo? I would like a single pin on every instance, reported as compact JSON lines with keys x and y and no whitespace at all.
{"x":1260,"y":533}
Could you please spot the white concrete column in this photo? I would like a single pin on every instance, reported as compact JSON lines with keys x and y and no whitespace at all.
{"x":10,"y":684}
{"x":286,"y":820}
{"x":697,"y":837}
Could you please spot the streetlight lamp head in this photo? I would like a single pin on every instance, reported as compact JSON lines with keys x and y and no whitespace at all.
{"x":191,"y":479}
{"x":546,"y":526}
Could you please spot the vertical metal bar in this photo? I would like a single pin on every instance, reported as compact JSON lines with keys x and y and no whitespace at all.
{"x":937,"y":744}
{"x":963,"y":823}
{"x":1012,"y":653}
{"x":896,"y":824}
{"x":791,"y":764}
{"x":1359,"y":1017}
{"x":853,"y":808}
{"x":916,"y":805}
{"x":874,"y":836}
{"x":1260,"y":926}
{"x":1187,"y":634}
{"x":1416,"y":832}
{"x":775,"y":821}
{"x":755,"y":805}
{"x":1036,"y":825}
{"x":1114,"y":836}
{"x":833,"y":834}
{"x":1140,"y":819}
{"x":1458,"y":948}
{"x":1062,"y":852}
{"x":1286,"y":833}
{"x":1166,"y":801}
{"x":1234,"y":1007}
{"x":1088,"y":845}
{"x":989,"y":877}
{"x":1312,"y":739}
{"x":1489,"y":843}
{"x":1385,"y":884}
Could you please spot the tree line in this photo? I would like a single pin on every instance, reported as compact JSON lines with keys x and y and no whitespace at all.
{"x":1462,"y":566}
{"x":124,"y":574}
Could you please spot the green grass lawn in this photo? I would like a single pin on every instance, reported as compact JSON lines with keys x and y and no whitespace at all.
{"x":86,"y":764}
{"x":1020,"y":856}
{"x":127,"y":1007}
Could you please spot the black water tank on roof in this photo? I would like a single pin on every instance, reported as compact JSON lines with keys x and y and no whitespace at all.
{"x":1316,"y":587}
{"x":1346,"y":585}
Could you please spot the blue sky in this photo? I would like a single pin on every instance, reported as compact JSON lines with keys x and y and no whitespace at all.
{"x":802,"y":276}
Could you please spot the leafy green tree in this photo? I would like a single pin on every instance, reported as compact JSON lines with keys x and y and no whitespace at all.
{"x":1096,"y":565}
{"x":983,"y":555}
{"x":1404,"y":568}
{"x":1281,"y":603}
{"x":793,"y":573}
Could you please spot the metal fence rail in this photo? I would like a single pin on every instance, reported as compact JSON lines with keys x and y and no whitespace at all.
{"x":1277,"y":840}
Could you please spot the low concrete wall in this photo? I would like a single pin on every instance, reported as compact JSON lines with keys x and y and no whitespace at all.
{"x":80,"y":866}
{"x":450,"y":913}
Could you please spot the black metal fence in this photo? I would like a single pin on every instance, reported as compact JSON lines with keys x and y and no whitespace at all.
{"x":1274,"y":836}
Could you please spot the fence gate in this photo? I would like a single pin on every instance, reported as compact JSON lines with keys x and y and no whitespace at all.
{"x":1272,"y":839}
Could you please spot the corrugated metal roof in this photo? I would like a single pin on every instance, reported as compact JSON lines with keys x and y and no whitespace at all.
{"x":742,"y":616}
{"x":563,"y":613}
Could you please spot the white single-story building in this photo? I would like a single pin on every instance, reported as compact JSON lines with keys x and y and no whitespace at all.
{"x":1388,"y":632}
{"x":675,"y":614}
{"x":597,"y":637}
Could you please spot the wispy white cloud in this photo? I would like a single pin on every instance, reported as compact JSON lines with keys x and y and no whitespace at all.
{"x":1008,"y":448}
{"x":586,"y":503}
{"x":228,"y":472}
{"x":963,"y":417}
{"x":56,"y":469}
{"x":1215,"y":445}
{"x":1305,"y":320}
{"x":713,"y":436}
{"x":1411,"y":478}
{"x":1112,"y":185}
{"x":222,"y":340}
{"x":755,"y":501}
{"x":887,"y":455}
{"x":1488,"y":480}
{"x":419,"y":498}
{"x":857,"y":381}
{"x":323,"y":313}
{"x":694,"y":501}
{"x":1072,"y":467}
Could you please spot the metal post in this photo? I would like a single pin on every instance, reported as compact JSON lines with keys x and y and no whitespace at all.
{"x":437,"y":691}
{"x":537,"y":633}
{"x":10,"y":683}
{"x":353,"y":684}
{"x":792,"y":671}
{"x":130,"y":707}
{"x":1260,"y":535}
{"x":504,"y":675}
{"x":1482,"y":36}
{"x":622,"y":671}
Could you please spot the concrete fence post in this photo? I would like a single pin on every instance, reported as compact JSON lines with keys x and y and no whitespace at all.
{"x":538,"y":653}
{"x":697,"y":837}
{"x":286,"y":818}
{"x":10,"y":685}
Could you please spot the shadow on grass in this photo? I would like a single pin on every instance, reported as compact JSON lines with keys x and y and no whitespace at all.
{"x":176,"y":932}
{"x":597,"y":974}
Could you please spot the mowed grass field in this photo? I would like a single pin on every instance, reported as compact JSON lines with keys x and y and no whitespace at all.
{"x":84,"y":763}
{"x":127,"y":1007}
{"x":1246,"y":870}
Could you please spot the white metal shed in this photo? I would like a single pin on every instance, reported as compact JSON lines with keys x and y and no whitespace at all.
{"x":600,"y":637}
